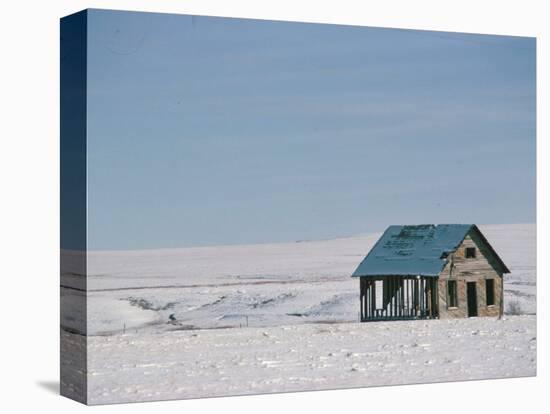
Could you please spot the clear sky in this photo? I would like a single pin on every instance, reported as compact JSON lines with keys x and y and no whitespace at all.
{"x":210,"y":131}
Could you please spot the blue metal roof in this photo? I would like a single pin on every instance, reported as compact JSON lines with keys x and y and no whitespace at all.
{"x":413,"y":250}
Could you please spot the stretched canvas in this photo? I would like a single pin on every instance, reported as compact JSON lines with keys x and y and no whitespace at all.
{"x":253,"y":206}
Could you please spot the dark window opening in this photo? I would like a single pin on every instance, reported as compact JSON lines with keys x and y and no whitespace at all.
{"x":490,"y":291}
{"x":471,"y":299}
{"x":470,"y":252}
{"x":452,"y":294}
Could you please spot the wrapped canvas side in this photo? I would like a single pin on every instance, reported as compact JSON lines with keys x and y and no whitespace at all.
{"x":73,"y":61}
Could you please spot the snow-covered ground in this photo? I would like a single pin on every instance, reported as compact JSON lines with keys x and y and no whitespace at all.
{"x":284,"y":317}
{"x":214,"y":362}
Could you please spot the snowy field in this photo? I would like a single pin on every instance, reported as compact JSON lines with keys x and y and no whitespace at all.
{"x":210,"y":321}
{"x":214,"y":362}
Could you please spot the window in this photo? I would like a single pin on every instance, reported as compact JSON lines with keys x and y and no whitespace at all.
{"x":470,"y":252}
{"x":452,"y":298}
{"x":490,"y":291}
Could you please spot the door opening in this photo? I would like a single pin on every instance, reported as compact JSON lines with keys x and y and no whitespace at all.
{"x":472,"y":299}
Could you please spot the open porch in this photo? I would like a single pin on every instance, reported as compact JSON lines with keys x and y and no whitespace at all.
{"x":398,"y":297}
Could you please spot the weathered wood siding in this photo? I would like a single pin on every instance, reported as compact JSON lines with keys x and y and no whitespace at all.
{"x":464,"y":270}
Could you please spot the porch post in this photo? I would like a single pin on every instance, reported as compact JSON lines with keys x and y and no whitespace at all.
{"x":362,"y":297}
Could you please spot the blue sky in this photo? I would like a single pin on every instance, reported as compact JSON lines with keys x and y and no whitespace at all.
{"x":211,"y":131}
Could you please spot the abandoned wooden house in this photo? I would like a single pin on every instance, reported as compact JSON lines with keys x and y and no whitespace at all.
{"x":431,"y":271}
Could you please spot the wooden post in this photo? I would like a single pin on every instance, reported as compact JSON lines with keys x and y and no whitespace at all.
{"x":421,"y":296}
{"x":395,"y":292}
{"x":363,"y":299}
{"x":362,"y":296}
{"x":367,"y":303}
{"x":424,"y":301}
{"x":406,"y":282}
{"x":429,"y":297}
{"x":437,"y":296}
{"x":432,"y":287}
{"x":415,"y":296}
{"x":373,"y":297}
{"x":403,"y":295}
{"x":388,"y":290}
{"x":367,"y":298}
{"x":392,"y":302}
{"x":362,"y":289}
